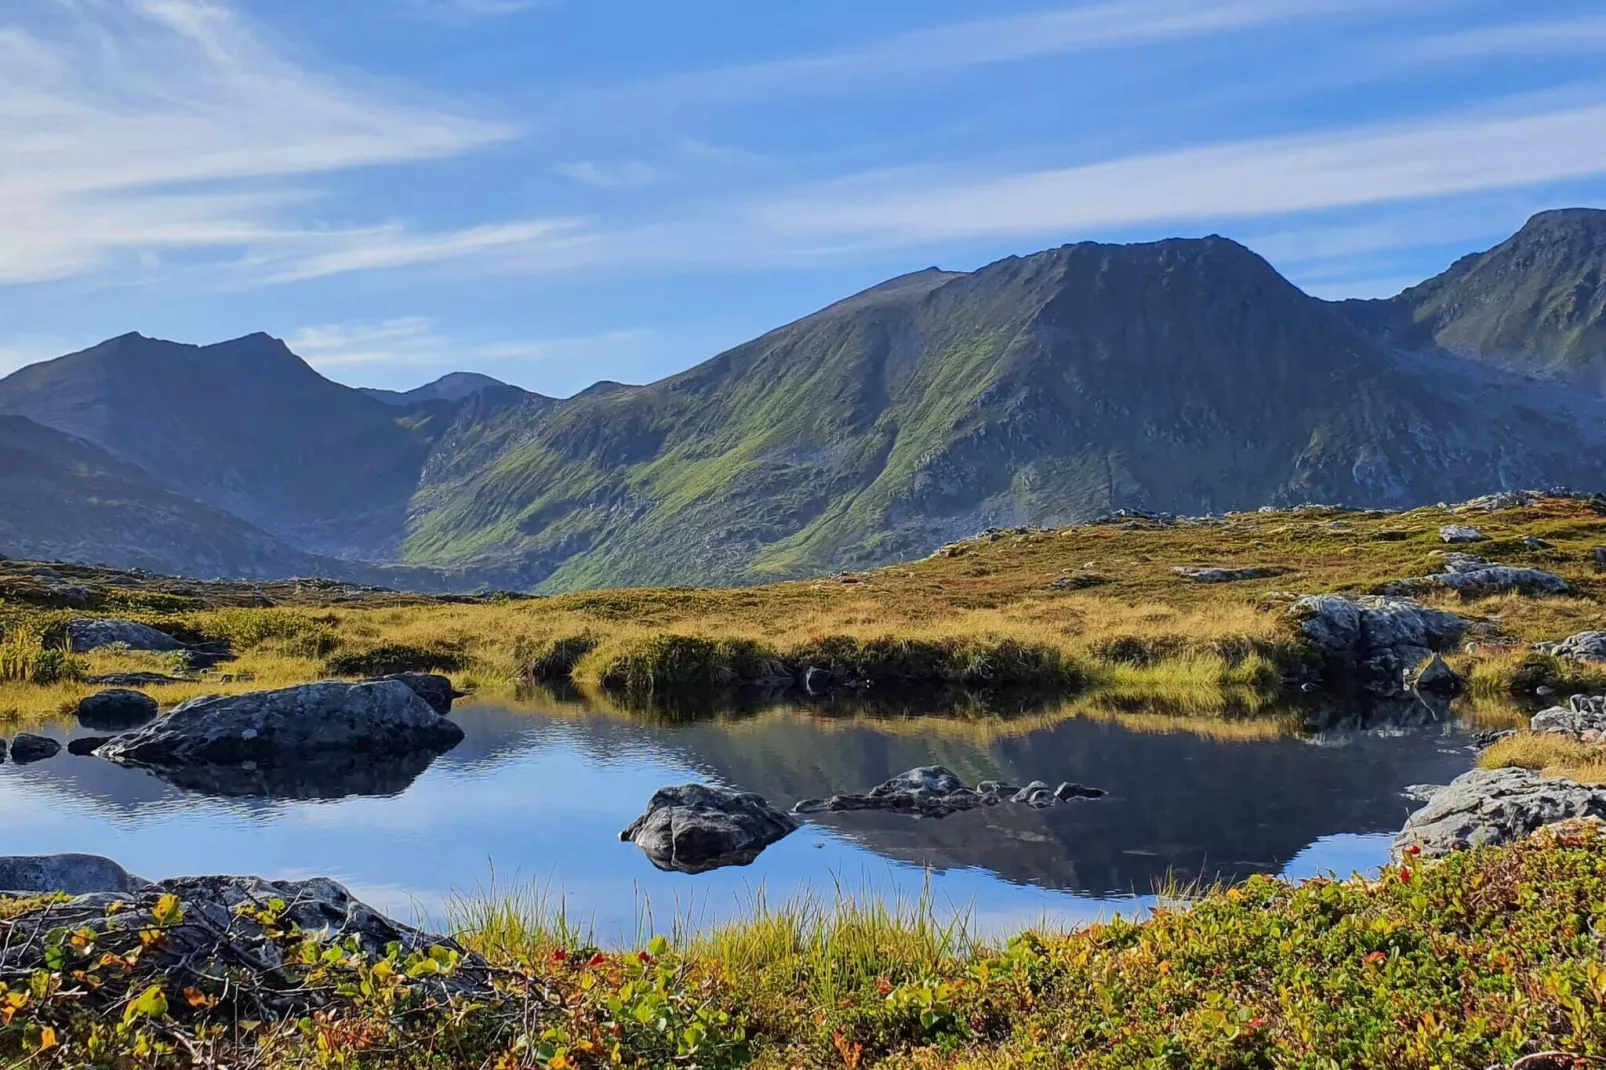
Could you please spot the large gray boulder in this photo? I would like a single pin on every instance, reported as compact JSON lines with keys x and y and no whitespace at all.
{"x":1377,"y":639}
{"x":927,"y":791}
{"x":694,"y":828}
{"x":71,"y":874}
{"x":1583,"y":719}
{"x":93,"y":633}
{"x":1460,"y":533}
{"x":290,"y":724}
{"x":1494,"y":806}
{"x":1582,"y":646}
{"x":116,"y":709}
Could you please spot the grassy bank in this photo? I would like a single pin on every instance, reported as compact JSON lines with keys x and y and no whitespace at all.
{"x":1095,"y":607}
{"x":1471,"y":962}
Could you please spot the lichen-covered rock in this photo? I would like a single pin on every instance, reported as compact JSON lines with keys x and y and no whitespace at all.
{"x":1583,"y":719}
{"x":1212,"y":574}
{"x":1377,"y":639}
{"x":1582,"y":646}
{"x":93,"y":633}
{"x":1460,"y":533}
{"x":231,"y":929}
{"x":1494,"y":806}
{"x":291,"y":723}
{"x":116,"y":710}
{"x":70,"y":874}
{"x":694,"y":828}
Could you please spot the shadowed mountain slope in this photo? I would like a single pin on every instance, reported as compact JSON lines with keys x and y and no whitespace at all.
{"x":1535,"y":303}
{"x":244,"y":426}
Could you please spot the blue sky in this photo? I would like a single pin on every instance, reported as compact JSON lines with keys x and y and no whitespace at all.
{"x":559,"y":191}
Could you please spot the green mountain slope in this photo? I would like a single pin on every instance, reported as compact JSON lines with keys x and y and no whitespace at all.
{"x":1180,"y":375}
{"x":1536,"y":302}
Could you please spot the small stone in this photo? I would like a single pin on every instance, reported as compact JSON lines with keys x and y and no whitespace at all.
{"x":84,"y":746}
{"x":1438,"y":678}
{"x":1071,"y":790}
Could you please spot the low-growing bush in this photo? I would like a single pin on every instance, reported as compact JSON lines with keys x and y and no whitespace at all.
{"x":394,"y":657}
{"x":552,"y":661}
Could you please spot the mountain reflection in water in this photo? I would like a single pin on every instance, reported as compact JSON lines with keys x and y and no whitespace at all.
{"x":541,"y":793}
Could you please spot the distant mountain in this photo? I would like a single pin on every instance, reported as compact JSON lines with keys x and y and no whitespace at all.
{"x":244,"y":426}
{"x":1534,"y":303}
{"x":454,"y":386}
{"x":1182,"y":375}
{"x":68,"y":500}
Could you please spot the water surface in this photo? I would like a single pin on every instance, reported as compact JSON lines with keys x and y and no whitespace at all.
{"x":540,"y":796}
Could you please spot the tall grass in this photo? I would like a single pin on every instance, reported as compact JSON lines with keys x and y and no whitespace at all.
{"x":1550,"y":755}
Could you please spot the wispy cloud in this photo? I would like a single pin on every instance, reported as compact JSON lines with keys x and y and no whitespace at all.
{"x":315,"y":255}
{"x":1433,"y":157}
{"x":111,"y":107}
{"x":629,"y":175}
{"x":976,"y":42}
{"x":1521,"y":40}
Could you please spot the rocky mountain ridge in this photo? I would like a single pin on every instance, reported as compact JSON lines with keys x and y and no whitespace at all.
{"x":1181,"y":375}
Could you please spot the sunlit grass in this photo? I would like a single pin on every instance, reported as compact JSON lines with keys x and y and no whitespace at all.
{"x":1550,"y":755}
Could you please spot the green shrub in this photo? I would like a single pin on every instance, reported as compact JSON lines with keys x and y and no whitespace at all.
{"x":552,"y":661}
{"x":666,"y":662}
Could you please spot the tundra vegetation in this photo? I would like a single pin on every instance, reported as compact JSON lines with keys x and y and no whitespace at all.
{"x":1097,"y":610}
{"x":1477,"y":960}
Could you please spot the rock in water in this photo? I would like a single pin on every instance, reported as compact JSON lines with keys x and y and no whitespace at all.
{"x":1069,"y":790}
{"x":432,"y":688}
{"x":1437,"y":678}
{"x":1495,"y":806}
{"x":1460,"y":533}
{"x":92,"y":633}
{"x":1377,"y":639}
{"x":27,"y":747}
{"x":115,"y":710}
{"x":694,"y":828}
{"x":84,"y":746}
{"x":267,"y":727}
{"x":70,"y":874}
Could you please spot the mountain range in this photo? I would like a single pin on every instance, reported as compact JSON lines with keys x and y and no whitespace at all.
{"x":1183,"y":375}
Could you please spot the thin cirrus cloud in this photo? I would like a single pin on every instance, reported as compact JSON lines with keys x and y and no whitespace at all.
{"x":180,"y":92}
{"x":977,"y":42}
{"x":1434,"y":157}
{"x":1520,"y":40}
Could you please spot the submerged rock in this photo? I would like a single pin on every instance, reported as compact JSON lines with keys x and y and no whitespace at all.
{"x":27,"y":747}
{"x":337,"y":775}
{"x":1583,"y":719}
{"x":1377,"y":639}
{"x":1495,"y":806}
{"x":84,"y":746}
{"x":116,"y":710}
{"x":1582,"y":646}
{"x":694,"y":828}
{"x":71,"y":874}
{"x":85,"y":634}
{"x":291,"y":723}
